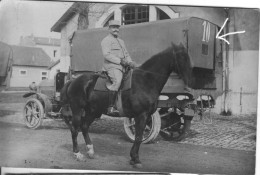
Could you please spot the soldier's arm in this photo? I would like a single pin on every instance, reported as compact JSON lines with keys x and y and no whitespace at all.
{"x":106,"y":50}
{"x":127,"y":56}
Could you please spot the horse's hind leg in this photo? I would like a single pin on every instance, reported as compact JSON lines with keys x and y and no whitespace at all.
{"x":86,"y":122}
{"x":140,"y":123}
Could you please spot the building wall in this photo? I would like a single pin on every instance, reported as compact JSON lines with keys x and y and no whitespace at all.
{"x":50,"y":51}
{"x":243,"y":56}
{"x":53,"y":70}
{"x":33,"y":75}
{"x":215,"y":15}
{"x":66,"y":34}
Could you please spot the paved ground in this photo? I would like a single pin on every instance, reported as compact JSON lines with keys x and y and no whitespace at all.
{"x":217,"y":144}
{"x":233,"y":132}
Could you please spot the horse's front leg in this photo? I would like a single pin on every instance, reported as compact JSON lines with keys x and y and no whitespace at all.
{"x":75,"y":127}
{"x":87,"y":121}
{"x":140,"y":123}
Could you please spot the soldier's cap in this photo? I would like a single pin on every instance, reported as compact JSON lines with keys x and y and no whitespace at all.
{"x":114,"y":23}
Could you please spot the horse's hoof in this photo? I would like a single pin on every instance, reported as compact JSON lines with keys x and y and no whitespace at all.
{"x":138,"y":165}
{"x":91,"y":156}
{"x":80,"y":157}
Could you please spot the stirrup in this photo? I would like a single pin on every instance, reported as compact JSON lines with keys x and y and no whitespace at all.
{"x":112,"y":112}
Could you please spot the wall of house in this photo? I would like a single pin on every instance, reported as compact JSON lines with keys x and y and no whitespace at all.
{"x":34,"y":74}
{"x":96,"y":11}
{"x":243,"y":56}
{"x":215,"y":15}
{"x":50,"y":51}
{"x":53,"y":71}
{"x":66,"y":34}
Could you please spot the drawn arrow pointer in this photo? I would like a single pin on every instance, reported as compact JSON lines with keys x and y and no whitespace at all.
{"x":232,"y":33}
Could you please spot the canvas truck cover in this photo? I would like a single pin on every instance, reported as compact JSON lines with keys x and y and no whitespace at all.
{"x":147,"y":39}
{"x":5,"y":58}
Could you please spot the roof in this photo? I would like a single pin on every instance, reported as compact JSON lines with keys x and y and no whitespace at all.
{"x":65,"y":18}
{"x":30,"y":56}
{"x":46,"y":41}
{"x":54,"y":64}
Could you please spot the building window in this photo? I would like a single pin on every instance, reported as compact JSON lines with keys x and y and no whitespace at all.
{"x":54,"y":53}
{"x":131,"y":14}
{"x":44,"y":75}
{"x":135,"y":14}
{"x":23,"y":72}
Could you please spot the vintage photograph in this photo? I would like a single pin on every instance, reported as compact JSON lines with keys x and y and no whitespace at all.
{"x":128,"y":87}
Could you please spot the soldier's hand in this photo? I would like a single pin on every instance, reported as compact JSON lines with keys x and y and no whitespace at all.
{"x":132,"y":65}
{"x":124,"y":62}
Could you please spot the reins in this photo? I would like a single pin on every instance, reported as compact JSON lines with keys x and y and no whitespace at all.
{"x":150,"y":72}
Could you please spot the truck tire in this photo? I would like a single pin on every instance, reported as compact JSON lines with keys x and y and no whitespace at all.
{"x":151,"y":131}
{"x":33,"y":113}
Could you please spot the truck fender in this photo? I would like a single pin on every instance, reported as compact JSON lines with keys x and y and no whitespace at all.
{"x":44,"y":99}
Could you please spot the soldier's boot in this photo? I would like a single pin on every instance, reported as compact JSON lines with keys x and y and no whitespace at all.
{"x":112,"y":111}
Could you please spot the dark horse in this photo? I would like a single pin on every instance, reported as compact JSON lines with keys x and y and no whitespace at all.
{"x":140,"y":102}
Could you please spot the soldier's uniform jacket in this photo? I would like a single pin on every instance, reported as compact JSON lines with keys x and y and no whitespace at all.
{"x":114,"y":50}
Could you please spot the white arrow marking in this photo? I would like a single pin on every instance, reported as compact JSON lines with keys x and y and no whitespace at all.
{"x":232,"y":33}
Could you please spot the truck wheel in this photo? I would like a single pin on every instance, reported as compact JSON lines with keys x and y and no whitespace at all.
{"x":33,"y":113}
{"x":152,"y":129}
{"x":170,"y":124}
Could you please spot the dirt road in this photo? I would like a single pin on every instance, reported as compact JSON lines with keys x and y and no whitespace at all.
{"x":51,"y":147}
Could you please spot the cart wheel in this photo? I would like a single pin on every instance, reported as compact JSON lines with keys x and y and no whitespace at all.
{"x":33,"y":113}
{"x":151,"y":131}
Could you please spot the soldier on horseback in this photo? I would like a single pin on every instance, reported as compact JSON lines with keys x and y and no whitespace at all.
{"x":116,"y":59}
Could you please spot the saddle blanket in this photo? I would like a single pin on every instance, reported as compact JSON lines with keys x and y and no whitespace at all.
{"x":104,"y":81}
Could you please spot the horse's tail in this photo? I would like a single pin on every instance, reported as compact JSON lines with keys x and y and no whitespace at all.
{"x":64,"y":99}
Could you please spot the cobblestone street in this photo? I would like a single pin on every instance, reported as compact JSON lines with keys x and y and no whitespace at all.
{"x":232,"y":132}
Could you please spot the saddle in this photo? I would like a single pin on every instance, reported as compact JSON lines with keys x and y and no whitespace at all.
{"x":104,"y":81}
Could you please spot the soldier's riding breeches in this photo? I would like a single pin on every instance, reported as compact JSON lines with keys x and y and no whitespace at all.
{"x":116,"y":76}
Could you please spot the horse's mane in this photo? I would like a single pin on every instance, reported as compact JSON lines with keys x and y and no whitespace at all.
{"x":181,"y":62}
{"x":154,"y":59}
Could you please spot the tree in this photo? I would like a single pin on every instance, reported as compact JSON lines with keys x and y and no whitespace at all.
{"x":83,"y":10}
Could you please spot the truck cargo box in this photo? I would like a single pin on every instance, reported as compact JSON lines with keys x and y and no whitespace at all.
{"x":147,"y":39}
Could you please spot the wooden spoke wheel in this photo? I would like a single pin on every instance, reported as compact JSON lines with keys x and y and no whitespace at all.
{"x":151,"y":130}
{"x":33,"y":113}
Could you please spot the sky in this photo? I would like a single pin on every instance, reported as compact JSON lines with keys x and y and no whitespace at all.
{"x":22,"y":18}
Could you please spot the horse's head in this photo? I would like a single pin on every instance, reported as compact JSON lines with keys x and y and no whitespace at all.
{"x":181,"y":61}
